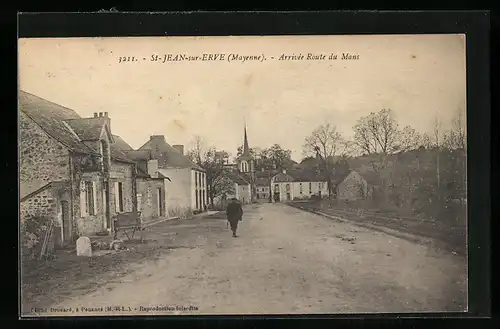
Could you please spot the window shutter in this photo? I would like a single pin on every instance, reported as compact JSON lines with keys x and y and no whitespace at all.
{"x":94,"y":195}
{"x":117,"y":198}
{"x":83,"y":210}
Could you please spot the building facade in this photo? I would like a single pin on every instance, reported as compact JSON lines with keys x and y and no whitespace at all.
{"x":295,"y":186}
{"x":70,"y":169}
{"x":353,"y":187}
{"x":185,"y":187}
{"x":234,"y":186}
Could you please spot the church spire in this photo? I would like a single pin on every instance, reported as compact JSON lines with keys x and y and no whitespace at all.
{"x":246,"y":150}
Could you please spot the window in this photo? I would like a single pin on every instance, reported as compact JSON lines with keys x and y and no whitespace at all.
{"x":89,"y":189}
{"x":320,"y":186}
{"x":300,"y":188}
{"x":139,"y":202}
{"x":197,"y":201}
{"x":118,"y":196}
{"x":196,"y":179}
{"x":287,"y":187}
{"x":310,"y":187}
{"x":88,"y":198}
{"x":203,"y":197}
{"x":159,"y":201}
{"x":244,"y":166}
{"x":276,"y":188}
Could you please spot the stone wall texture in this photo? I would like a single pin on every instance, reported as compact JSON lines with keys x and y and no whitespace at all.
{"x":122,"y":172}
{"x":42,"y":158}
{"x":148,"y":189}
{"x":353,"y":187}
{"x":41,"y":204}
{"x":90,"y":224}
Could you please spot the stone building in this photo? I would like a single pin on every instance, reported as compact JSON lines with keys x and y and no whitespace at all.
{"x":150,"y":187}
{"x":71,"y":169}
{"x":353,"y":187}
{"x":185,"y":187}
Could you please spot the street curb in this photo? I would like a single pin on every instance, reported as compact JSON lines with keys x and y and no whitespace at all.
{"x":177,"y":218}
{"x":415,"y":238}
{"x":158,"y":222}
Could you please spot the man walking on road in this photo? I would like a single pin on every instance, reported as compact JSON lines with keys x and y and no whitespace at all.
{"x":234,"y":214}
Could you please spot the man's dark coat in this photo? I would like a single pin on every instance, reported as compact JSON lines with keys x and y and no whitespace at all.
{"x":234,"y":211}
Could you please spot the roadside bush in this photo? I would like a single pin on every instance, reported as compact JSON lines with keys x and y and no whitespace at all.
{"x":181,"y":213}
{"x":33,"y":231}
{"x":315,"y":198}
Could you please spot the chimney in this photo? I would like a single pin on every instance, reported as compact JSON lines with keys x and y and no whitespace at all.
{"x":153,"y":168}
{"x":100,"y":114}
{"x":95,"y":114}
{"x":157,"y":143}
{"x":105,"y":114}
{"x":284,"y":171}
{"x":179,"y":148}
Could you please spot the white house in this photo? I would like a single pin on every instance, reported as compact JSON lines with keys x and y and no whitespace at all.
{"x":186,"y":187}
{"x":236,"y":187}
{"x":296,"y":185}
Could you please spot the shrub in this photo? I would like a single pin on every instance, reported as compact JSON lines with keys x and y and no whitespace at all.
{"x":33,"y":231}
{"x":181,"y":213}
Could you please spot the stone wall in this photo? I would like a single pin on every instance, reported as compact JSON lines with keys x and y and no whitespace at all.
{"x":90,"y":224}
{"x":122,"y":172}
{"x":42,"y":204}
{"x":42,"y":158}
{"x":353,"y":187}
{"x":147,"y":189}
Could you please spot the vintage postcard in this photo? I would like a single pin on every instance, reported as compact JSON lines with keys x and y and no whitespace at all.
{"x":242,"y":175}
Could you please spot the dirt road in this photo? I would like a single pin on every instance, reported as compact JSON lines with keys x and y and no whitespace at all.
{"x":285,"y":261}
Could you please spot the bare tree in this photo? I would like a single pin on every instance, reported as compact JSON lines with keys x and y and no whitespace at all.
{"x":212,"y":161}
{"x":327,"y":143}
{"x":455,"y":139}
{"x":434,"y":141}
{"x":379,"y":133}
{"x":456,"y":136}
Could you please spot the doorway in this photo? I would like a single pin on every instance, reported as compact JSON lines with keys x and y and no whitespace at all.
{"x":105,"y":205}
{"x":159,"y":208}
{"x":66,"y":225}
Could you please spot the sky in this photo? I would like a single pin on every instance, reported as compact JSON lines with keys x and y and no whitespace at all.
{"x":418,"y":77}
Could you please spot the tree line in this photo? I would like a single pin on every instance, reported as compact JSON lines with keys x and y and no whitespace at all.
{"x":424,"y":172}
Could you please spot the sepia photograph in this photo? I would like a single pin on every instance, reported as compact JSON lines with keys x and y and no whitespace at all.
{"x":244,"y":175}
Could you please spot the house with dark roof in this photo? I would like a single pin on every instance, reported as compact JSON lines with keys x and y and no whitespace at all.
{"x":297,"y":184}
{"x":232,"y":184}
{"x":150,"y":187}
{"x":184,"y":181}
{"x":71,"y":169}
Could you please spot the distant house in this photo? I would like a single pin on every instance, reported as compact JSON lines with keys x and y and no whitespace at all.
{"x":71,"y":169}
{"x":185,"y":188}
{"x":353,"y":187}
{"x":263,"y":189}
{"x":235,"y":186}
{"x":287,"y":186}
